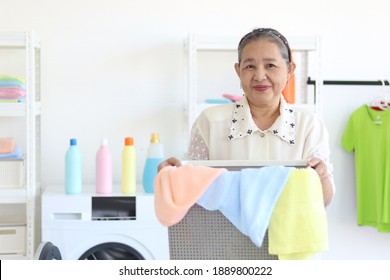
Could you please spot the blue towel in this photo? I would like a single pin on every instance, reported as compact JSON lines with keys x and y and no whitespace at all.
{"x":247,"y":197}
{"x":12,"y":83}
{"x":16,"y":154}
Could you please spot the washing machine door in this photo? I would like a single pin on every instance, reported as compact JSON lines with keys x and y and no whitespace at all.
{"x":112,"y":251}
{"x":47,"y":251}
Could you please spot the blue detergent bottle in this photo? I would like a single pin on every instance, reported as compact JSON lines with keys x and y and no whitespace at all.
{"x":155,"y":156}
{"x":73,"y":169}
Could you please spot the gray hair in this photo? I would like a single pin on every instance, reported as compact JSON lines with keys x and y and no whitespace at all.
{"x":270,"y":34}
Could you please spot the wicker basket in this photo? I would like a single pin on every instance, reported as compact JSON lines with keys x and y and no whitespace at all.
{"x":12,"y":235}
{"x":12,"y":174}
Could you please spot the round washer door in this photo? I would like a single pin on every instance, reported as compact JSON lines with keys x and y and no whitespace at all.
{"x":112,"y":251}
{"x":47,"y":251}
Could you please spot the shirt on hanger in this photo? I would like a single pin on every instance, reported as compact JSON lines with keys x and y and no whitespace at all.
{"x":367,"y":134}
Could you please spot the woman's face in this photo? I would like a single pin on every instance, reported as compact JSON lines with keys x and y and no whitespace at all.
{"x":263,"y":72}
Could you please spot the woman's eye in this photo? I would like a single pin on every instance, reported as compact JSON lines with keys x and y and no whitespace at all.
{"x":249,"y":66}
{"x":271,"y":65}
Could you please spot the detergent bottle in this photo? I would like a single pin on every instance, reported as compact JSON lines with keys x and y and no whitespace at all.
{"x":155,"y":155}
{"x":129,"y":167}
{"x":104,"y":169}
{"x":73,"y":169}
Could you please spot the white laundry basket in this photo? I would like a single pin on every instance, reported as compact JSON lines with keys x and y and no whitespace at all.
{"x":12,"y":173}
{"x":12,"y":235}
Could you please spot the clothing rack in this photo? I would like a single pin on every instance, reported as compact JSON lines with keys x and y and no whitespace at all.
{"x":351,"y":83}
{"x":348,"y":83}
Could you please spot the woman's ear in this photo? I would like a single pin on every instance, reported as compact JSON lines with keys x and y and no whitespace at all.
{"x":237,"y":67}
{"x":291,"y":69}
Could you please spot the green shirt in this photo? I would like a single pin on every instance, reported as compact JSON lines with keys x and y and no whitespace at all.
{"x":368,"y":135}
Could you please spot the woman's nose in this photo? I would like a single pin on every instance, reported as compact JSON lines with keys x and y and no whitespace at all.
{"x":260,"y":74}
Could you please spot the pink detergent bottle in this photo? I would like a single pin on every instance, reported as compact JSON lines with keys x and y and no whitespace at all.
{"x":104,"y":169}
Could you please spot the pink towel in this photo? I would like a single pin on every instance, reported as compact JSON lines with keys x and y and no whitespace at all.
{"x":177,"y":189}
{"x":12,"y":92}
{"x":7,"y":145}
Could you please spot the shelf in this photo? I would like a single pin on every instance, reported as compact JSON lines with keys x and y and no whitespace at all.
{"x":206,"y":43}
{"x":13,"y":196}
{"x":11,"y":257}
{"x":17,"y":109}
{"x":18,"y":239}
{"x":12,"y":221}
{"x":16,"y":39}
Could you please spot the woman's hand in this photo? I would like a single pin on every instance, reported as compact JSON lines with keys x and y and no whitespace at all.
{"x":169,"y":162}
{"x":322,"y":170}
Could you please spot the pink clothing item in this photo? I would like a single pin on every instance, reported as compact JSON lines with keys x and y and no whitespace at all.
{"x":7,"y":145}
{"x":177,"y":189}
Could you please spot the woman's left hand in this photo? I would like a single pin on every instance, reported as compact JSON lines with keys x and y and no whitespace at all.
{"x":322,"y":170}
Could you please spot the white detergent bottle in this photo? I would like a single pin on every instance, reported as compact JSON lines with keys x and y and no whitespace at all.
{"x":104,"y":169}
{"x":129,"y":167}
{"x":73,"y":169}
{"x":155,"y":156}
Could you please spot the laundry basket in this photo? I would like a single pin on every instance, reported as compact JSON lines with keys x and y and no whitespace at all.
{"x":207,"y":235}
{"x":12,"y":173}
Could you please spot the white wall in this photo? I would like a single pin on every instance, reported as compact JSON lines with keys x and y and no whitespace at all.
{"x":117,"y":68}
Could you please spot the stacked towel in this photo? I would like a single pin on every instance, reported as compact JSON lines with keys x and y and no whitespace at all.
{"x":286,"y":200}
{"x":9,"y":149}
{"x":12,"y":89}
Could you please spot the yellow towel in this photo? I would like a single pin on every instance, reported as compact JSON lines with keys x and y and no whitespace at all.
{"x":298,"y":225}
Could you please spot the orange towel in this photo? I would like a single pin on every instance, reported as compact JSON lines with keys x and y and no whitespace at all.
{"x":7,"y":145}
{"x":177,"y":189}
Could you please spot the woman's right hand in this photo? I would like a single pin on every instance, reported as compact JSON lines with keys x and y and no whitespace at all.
{"x":169,"y":162}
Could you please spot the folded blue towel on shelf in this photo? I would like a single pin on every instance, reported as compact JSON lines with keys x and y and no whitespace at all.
{"x":16,"y":154}
{"x":12,"y":81}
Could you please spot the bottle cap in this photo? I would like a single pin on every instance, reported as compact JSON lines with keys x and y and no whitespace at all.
{"x":73,"y":142}
{"x":129,"y":141}
{"x":154,"y":138}
{"x":104,"y":142}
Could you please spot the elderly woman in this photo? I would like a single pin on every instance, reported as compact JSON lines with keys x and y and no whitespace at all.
{"x":262,"y":125}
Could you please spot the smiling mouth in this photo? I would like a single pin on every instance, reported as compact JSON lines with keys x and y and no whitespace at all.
{"x":261,"y":87}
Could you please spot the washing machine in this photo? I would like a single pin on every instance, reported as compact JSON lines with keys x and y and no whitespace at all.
{"x":89,"y":226}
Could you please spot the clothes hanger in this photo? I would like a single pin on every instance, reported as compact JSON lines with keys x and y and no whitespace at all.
{"x":386,"y":99}
{"x":381,"y":103}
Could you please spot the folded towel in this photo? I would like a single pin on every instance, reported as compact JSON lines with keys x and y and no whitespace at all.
{"x":247,"y":197}
{"x":12,"y":100}
{"x":12,"y":78}
{"x":17,"y":153}
{"x":232,"y":97}
{"x":176,"y":189}
{"x":11,"y":81}
{"x":7,"y":145}
{"x":298,"y":226}
{"x":12,"y":92}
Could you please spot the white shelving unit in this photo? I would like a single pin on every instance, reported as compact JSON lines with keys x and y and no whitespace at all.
{"x":18,"y":210}
{"x":306,"y":53}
